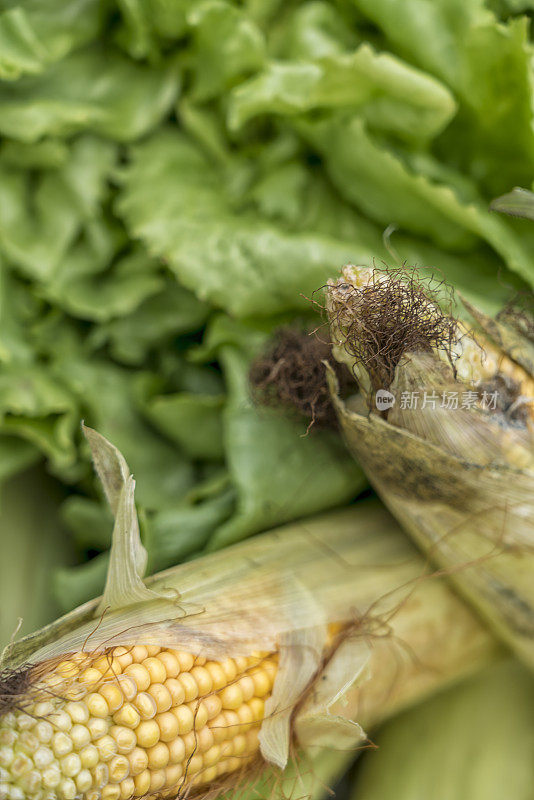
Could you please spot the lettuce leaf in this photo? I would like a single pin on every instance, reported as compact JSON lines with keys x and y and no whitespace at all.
{"x":486,"y":63}
{"x":280,"y":471}
{"x":389,"y":94}
{"x":87,"y":92}
{"x":174,"y":200}
{"x":34,"y":34}
{"x":379,"y":183}
{"x":226,"y":45}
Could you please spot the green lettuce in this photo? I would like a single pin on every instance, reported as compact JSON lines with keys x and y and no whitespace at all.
{"x":179,"y":178}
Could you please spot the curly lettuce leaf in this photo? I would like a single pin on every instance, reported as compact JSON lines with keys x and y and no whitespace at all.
{"x":174,"y":200}
{"x":379,"y":183}
{"x":486,"y":63}
{"x":123,"y":287}
{"x":34,"y":34}
{"x":148,"y":24}
{"x":41,"y":410}
{"x":193,"y":421}
{"x":109,"y":398}
{"x":65,"y":203}
{"x":226,"y":46}
{"x":389,"y":94}
{"x":156,"y":322}
{"x":95,"y":90}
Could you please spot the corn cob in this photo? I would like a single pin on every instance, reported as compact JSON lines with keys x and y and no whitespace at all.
{"x":133,"y":721}
{"x":460,"y":480}
{"x":171,"y":695}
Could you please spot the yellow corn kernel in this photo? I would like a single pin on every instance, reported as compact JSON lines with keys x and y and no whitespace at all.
{"x":171,"y":664}
{"x":189,"y":685}
{"x":232,"y":696}
{"x":125,"y":738}
{"x":97,"y":705}
{"x":139,"y":653}
{"x":186,"y":660}
{"x":145,"y":705}
{"x":128,"y":716}
{"x":127,"y":788}
{"x":184,"y":715}
{"x":142,"y":783}
{"x":176,"y":691}
{"x":112,"y":695}
{"x":147,"y":733}
{"x":138,"y":760}
{"x":161,"y":696}
{"x":217,"y":675}
{"x":168,"y":725}
{"x":155,"y":669}
{"x":158,"y":756}
{"x":140,"y":674}
{"x":177,"y":752}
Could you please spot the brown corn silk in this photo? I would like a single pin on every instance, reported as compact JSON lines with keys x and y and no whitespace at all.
{"x":459,"y":480}
{"x":173,"y":686}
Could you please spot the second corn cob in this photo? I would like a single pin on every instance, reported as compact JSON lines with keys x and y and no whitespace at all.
{"x":458,"y":476}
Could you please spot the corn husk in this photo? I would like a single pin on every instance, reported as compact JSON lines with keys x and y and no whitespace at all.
{"x":33,"y":545}
{"x":398,"y":633}
{"x":460,"y":481}
{"x":473,"y":741}
{"x":308,"y":776}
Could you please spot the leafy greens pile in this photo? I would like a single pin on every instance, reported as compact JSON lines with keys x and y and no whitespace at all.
{"x":177,"y":177}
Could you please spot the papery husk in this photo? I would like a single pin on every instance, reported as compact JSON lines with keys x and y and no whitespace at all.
{"x":507,"y":337}
{"x":360,"y":625}
{"x":448,"y":476}
{"x":480,"y":747}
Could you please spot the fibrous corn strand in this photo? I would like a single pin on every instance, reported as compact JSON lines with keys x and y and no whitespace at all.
{"x":130,"y":722}
{"x":382,"y":315}
{"x":290,"y":374}
{"x":376,"y":317}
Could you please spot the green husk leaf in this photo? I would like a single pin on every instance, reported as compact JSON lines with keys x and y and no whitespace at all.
{"x":481,"y":747}
{"x":35,"y":541}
